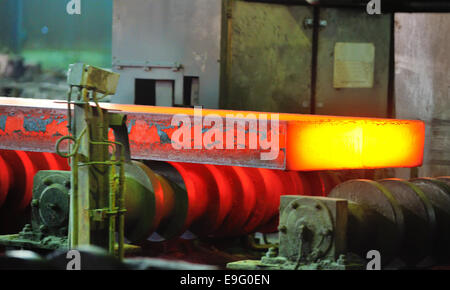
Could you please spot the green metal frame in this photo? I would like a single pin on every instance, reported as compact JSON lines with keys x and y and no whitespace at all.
{"x":97,"y":196}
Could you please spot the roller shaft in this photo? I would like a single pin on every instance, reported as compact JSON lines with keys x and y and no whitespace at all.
{"x":170,"y":198}
{"x":401,"y":219}
{"x":214,"y":200}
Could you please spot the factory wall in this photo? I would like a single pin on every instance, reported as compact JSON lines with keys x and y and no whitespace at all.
{"x":42,"y":31}
{"x":171,"y":40}
{"x":423,"y":83}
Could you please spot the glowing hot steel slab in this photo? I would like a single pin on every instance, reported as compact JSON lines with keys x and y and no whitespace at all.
{"x":349,"y":143}
{"x":239,"y":138}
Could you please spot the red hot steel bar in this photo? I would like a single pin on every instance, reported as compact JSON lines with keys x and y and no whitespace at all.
{"x":303,"y":142}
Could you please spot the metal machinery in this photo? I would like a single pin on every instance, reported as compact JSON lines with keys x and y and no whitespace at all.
{"x":106,"y":197}
{"x":406,"y":221}
{"x":324,"y":220}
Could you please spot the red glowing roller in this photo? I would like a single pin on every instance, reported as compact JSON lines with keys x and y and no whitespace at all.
{"x":215,"y":200}
{"x":291,"y":183}
{"x":230,"y":201}
{"x":244,"y":199}
{"x":17,"y":173}
{"x":207,"y":203}
{"x":23,"y":170}
{"x":5,"y":181}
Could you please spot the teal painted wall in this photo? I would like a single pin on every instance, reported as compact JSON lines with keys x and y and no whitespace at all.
{"x":42,"y":31}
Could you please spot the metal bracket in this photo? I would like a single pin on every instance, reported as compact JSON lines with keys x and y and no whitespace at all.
{"x":99,"y":215}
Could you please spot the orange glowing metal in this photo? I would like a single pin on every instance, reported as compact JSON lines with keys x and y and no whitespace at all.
{"x":327,"y":142}
{"x":311,"y":142}
{"x":345,"y":143}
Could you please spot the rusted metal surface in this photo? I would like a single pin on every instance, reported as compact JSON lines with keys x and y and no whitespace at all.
{"x":151,"y":139}
{"x":298,"y":142}
{"x":36,"y":125}
{"x":31,"y":128}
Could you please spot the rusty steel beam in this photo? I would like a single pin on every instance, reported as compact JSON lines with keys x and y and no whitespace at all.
{"x":36,"y":125}
{"x":305,"y":142}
